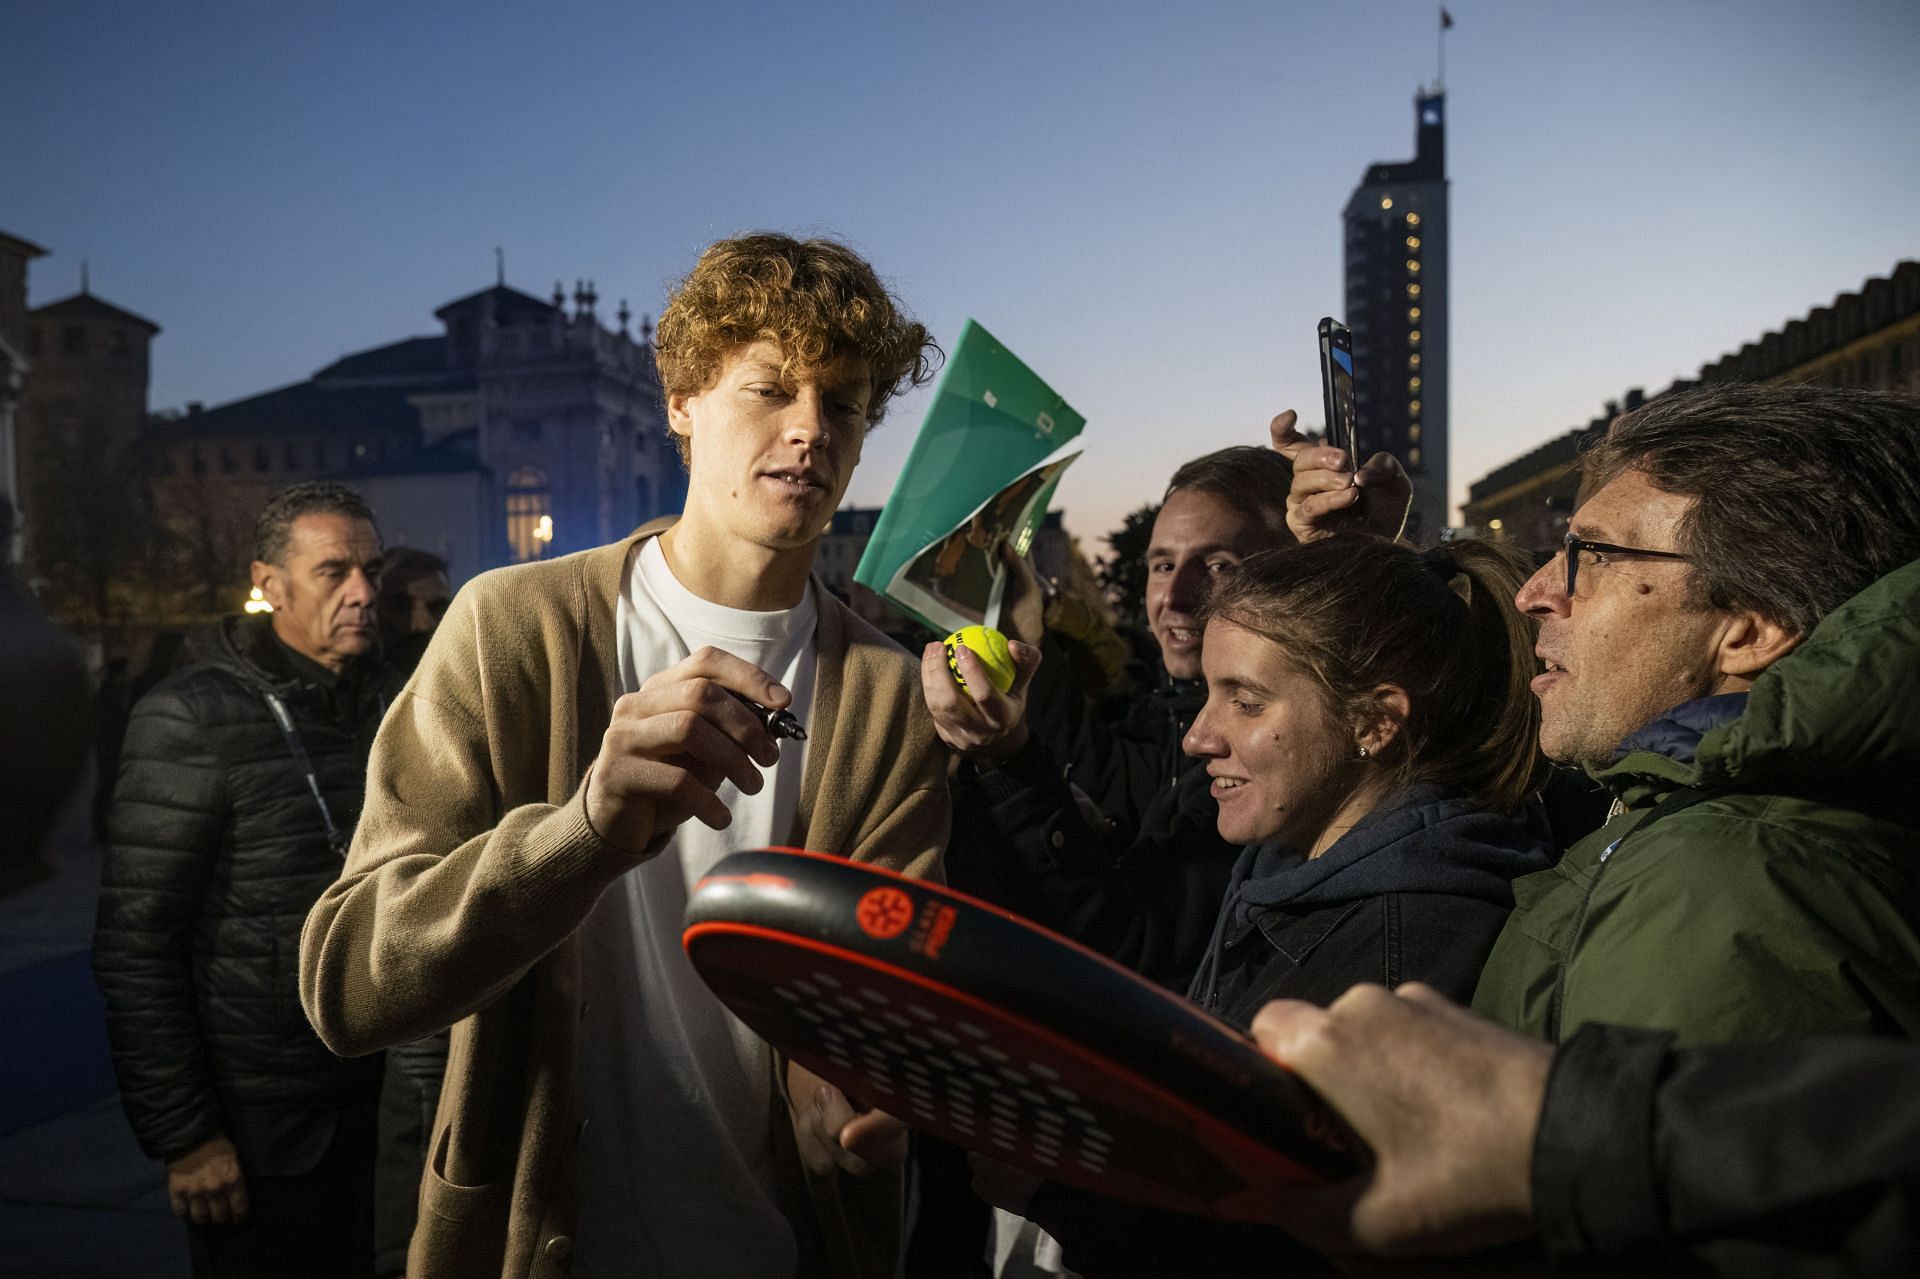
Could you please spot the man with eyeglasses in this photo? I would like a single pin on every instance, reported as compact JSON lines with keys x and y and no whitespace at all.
{"x":1731,"y":642}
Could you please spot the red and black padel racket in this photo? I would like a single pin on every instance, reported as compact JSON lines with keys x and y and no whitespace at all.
{"x":974,"y":1024}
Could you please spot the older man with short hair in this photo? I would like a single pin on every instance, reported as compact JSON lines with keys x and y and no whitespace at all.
{"x":1732,"y":645}
{"x":1731,"y":640}
{"x":239,"y":785}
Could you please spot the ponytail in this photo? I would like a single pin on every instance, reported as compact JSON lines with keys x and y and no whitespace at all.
{"x":1495,"y":749}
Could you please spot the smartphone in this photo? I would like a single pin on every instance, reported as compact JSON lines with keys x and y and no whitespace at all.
{"x":1336,"y":388}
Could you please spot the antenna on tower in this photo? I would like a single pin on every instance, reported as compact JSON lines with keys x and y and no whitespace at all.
{"x":499,"y":266}
{"x":86,"y":285}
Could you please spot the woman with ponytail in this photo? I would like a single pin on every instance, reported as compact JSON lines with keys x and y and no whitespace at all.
{"x":1371,"y":738}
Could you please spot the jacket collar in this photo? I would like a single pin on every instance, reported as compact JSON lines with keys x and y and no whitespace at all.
{"x":1432,"y":839}
{"x":1677,"y":733}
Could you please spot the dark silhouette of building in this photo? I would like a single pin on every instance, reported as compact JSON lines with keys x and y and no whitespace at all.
{"x":1396,"y":280}
{"x":524,"y":429}
{"x":1868,"y":340}
{"x":15,"y":253}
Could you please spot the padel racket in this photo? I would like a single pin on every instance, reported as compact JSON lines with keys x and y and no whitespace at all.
{"x":967,"y":1021}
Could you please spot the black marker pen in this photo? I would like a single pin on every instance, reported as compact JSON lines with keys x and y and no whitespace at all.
{"x":778,"y":723}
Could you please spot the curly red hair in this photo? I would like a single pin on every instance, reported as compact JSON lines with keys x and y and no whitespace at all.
{"x":818,"y":299}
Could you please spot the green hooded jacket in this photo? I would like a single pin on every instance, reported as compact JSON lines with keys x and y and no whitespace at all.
{"x":1785,"y":898}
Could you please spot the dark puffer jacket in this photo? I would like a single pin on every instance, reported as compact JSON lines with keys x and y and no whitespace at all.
{"x":216,"y":852}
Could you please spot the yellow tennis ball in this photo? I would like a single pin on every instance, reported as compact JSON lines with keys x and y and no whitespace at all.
{"x":990,"y":646}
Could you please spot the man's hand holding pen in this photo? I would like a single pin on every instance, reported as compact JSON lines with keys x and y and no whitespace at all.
{"x":704,"y":721}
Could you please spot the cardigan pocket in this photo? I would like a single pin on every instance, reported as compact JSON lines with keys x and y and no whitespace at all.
{"x":462,"y":1230}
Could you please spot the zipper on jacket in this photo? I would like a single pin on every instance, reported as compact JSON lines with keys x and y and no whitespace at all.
{"x":1685,"y":797}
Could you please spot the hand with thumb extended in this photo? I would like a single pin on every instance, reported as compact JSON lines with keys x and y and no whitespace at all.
{"x":1328,"y":496}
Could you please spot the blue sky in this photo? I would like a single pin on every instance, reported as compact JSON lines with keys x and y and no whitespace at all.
{"x":1142,"y":200}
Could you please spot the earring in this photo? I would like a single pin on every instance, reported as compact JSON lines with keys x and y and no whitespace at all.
{"x":1364,"y":752}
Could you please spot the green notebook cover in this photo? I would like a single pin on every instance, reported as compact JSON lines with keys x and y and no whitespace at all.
{"x":988,"y":456}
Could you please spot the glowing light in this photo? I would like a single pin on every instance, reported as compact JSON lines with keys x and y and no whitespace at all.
{"x":1386,"y":202}
{"x":257,"y":602}
{"x":1495,"y":525}
{"x":1413,"y":219}
{"x":1413,"y":313}
{"x":543,"y":531}
{"x":1413,"y":244}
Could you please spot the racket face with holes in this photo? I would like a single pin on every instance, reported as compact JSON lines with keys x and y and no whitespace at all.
{"x":980,"y":1027}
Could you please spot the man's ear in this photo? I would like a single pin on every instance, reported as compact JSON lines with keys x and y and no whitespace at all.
{"x":1750,"y":643}
{"x":679,"y":420}
{"x":1385,"y":720}
{"x":272,"y":581}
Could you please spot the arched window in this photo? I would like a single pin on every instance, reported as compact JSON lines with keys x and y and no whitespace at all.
{"x":529,"y":514}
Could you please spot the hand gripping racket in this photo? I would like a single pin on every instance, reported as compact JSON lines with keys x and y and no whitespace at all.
{"x":966,"y":1020}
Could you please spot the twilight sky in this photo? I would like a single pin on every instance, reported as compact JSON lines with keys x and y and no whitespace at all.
{"x":1142,"y":200}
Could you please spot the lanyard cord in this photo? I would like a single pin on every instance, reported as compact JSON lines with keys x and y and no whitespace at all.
{"x":337,"y":839}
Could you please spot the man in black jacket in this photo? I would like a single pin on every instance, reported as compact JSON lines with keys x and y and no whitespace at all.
{"x":240,"y":781}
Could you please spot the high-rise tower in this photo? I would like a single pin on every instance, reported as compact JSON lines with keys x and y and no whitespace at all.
{"x":1396,"y":277}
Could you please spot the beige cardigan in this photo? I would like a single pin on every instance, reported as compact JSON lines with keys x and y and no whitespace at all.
{"x":473,"y":866}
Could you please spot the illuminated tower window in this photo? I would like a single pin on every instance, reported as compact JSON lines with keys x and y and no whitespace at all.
{"x":529,"y":514}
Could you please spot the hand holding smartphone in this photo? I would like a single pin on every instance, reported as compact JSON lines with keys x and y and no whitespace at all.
{"x":1336,"y":389}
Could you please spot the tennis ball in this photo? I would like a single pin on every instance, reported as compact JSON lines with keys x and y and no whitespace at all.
{"x":990,"y":646}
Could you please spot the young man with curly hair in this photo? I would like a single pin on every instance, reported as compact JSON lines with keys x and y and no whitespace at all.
{"x":526,"y":851}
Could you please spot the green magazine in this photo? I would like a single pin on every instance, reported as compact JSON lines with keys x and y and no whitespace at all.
{"x":987,"y":459}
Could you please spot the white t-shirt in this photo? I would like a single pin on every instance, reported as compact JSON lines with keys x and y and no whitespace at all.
{"x":676,"y":1174}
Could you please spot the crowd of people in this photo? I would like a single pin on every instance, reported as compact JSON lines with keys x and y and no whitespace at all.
{"x":390,"y":922}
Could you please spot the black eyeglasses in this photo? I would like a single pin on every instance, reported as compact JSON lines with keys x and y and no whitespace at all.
{"x":1575,"y":545}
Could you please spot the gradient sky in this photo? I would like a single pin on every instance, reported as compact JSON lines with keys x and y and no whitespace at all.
{"x":1142,"y":200}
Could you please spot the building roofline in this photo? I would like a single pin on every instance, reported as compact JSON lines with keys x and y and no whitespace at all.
{"x":24,"y":248}
{"x":90,"y":302}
